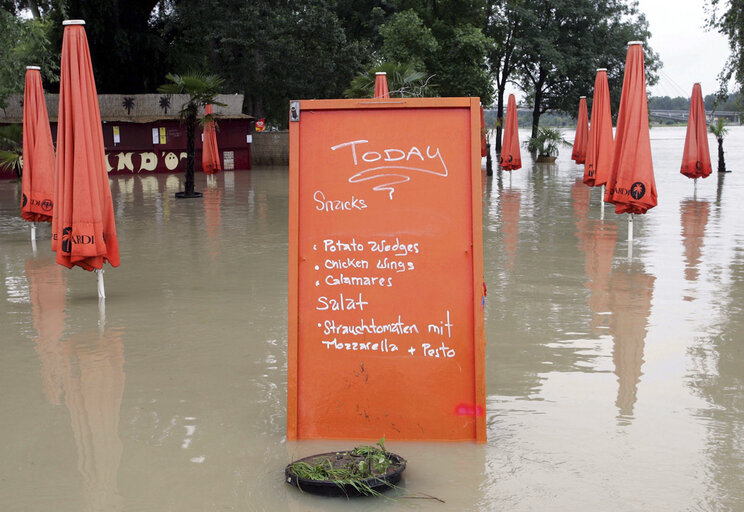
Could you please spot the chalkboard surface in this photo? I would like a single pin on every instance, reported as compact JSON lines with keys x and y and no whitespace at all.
{"x":385,"y":278}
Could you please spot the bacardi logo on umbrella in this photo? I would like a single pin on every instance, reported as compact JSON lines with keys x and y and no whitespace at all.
{"x":47,"y":205}
{"x":637,"y":190}
{"x":66,"y":243}
{"x":24,"y":201}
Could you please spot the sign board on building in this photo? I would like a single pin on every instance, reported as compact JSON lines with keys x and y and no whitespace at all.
{"x":228,"y":158}
{"x":385,"y":271}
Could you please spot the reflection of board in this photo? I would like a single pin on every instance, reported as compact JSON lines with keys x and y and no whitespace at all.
{"x":385,"y":277}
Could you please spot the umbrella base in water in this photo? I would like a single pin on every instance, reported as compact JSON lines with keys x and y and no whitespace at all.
{"x":184,"y":195}
{"x":372,"y":485}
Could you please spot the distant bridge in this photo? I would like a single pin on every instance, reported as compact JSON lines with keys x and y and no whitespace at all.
{"x":682,"y":115}
{"x":673,"y":115}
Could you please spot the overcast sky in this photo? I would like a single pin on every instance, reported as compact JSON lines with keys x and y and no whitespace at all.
{"x":688,"y":52}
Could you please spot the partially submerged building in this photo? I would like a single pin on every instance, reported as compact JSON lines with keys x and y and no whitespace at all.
{"x":143,"y":133}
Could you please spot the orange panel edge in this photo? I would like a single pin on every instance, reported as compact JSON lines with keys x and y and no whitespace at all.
{"x":293,"y":278}
{"x":478,"y":276}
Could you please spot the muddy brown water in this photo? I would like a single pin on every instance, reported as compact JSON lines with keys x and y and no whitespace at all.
{"x":615,"y":382}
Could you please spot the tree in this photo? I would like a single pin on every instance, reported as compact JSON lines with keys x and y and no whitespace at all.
{"x":127,"y":41}
{"x":567,"y":41}
{"x":505,"y":26}
{"x":201,"y":89}
{"x":270,"y":50}
{"x":458,"y":63}
{"x":728,"y":18}
{"x":404,"y":81}
{"x":719,"y":130}
{"x":25,"y":42}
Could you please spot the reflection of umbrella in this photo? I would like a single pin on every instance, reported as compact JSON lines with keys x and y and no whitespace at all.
{"x":696,"y":157}
{"x":210,"y":152}
{"x":511,"y":158}
{"x":598,"y":246}
{"x":213,"y":219}
{"x":630,"y":304}
{"x":694,"y":220}
{"x":47,"y":288}
{"x":84,"y":232}
{"x":578,"y":154}
{"x":600,"y":144}
{"x":631,"y":186}
{"x":510,"y":203}
{"x":381,"y":85}
{"x":38,"y":153}
{"x":93,"y":395}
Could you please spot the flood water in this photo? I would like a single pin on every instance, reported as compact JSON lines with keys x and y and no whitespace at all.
{"x":615,"y":382}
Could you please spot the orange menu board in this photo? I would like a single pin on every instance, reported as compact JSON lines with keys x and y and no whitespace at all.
{"x":385,"y":270}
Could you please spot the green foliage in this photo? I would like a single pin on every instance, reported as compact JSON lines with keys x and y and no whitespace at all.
{"x":24,"y":43}
{"x":728,"y":18}
{"x":404,"y":80}
{"x":11,"y":148}
{"x":406,"y":39}
{"x":350,"y":468}
{"x":718,"y":129}
{"x":566,"y":41}
{"x":546,"y":142}
{"x":201,"y":88}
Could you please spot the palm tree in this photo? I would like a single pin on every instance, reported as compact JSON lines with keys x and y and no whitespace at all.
{"x":719,"y":130}
{"x":404,"y":81}
{"x":11,"y":148}
{"x":201,"y":89}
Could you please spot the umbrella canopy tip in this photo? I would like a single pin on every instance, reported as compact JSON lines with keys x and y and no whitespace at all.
{"x":601,"y":69}
{"x":582,"y":97}
{"x":381,"y":73}
{"x":33,"y":67}
{"x":73,"y":22}
{"x":631,"y":43}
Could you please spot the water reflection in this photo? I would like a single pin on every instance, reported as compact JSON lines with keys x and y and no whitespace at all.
{"x":212,"y":220}
{"x":599,"y":240}
{"x":718,"y":377}
{"x":694,"y":215}
{"x":630,"y":294}
{"x":47,"y":283}
{"x":89,"y":370}
{"x":510,"y":200}
{"x":94,"y":387}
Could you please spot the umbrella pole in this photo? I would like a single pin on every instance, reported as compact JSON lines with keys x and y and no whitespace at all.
{"x":101,"y":288}
{"x":694,"y":189}
{"x":33,"y":238}
{"x":601,"y":202}
{"x":630,"y":228}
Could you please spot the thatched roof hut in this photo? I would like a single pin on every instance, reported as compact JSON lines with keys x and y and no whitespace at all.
{"x":131,"y":108}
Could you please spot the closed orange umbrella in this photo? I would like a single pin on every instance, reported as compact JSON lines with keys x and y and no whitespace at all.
{"x":83,"y":228}
{"x":631,"y":186}
{"x":210,"y":152}
{"x":511,"y":158}
{"x":696,"y":157}
{"x":37,"y":182}
{"x":381,"y":85}
{"x":578,"y":154}
{"x":600,"y":144}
